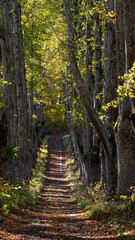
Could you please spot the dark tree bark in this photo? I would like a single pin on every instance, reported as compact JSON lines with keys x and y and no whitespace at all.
{"x":110,"y":87}
{"x":84,"y":93}
{"x":87,"y":128}
{"x":68,"y":107}
{"x":15,"y":94}
{"x":98,"y":71}
{"x":125,"y":135}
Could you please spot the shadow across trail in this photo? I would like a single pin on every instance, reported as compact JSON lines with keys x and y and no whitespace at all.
{"x":55,"y":216}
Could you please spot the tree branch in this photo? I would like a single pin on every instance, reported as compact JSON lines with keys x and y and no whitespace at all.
{"x":79,"y":82}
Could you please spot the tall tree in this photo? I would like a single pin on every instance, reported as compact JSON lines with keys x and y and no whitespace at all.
{"x":15,"y":95}
{"x":125,"y":135}
{"x":116,"y":47}
{"x":110,"y":84}
{"x":84,"y":93}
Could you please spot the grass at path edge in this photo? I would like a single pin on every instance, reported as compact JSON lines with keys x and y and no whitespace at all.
{"x":16,"y":195}
{"x":117,"y":212}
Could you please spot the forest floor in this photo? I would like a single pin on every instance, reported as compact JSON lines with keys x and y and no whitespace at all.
{"x":55,"y":215}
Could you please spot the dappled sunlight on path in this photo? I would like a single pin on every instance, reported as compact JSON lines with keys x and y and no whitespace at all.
{"x":55,"y":216}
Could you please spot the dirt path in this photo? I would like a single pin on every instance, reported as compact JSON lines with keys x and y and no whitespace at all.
{"x":54,"y":216}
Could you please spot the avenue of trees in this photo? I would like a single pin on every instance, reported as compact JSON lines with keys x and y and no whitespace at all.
{"x":101,"y":40}
{"x":29,"y":82}
{"x":73,"y":58}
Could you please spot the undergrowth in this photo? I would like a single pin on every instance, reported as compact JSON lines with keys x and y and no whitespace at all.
{"x":89,"y":196}
{"x":19,"y":195}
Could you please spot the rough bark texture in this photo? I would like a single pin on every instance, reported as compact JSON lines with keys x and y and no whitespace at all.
{"x":84,"y":93}
{"x":98,"y":72}
{"x":88,"y":131}
{"x":125,"y":136}
{"x":119,"y":51}
{"x":24,"y":165}
{"x":68,"y":107}
{"x":9,"y":83}
{"x":14,"y":123}
{"x":110,"y":87}
{"x":90,"y":162}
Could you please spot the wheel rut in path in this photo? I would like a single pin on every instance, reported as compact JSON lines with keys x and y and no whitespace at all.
{"x":54,"y":216}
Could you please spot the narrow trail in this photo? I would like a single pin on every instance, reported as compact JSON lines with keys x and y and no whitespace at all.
{"x":54,"y":216}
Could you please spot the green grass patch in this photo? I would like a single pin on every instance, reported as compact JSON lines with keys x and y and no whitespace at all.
{"x":18,"y":195}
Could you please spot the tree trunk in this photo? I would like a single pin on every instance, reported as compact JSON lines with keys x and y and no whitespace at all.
{"x":68,"y":107}
{"x":9,"y":89}
{"x":15,"y":94}
{"x":84,"y":93}
{"x":22,"y":106}
{"x":110,"y":87}
{"x":87,"y":128}
{"x":98,"y":72}
{"x":125,"y":135}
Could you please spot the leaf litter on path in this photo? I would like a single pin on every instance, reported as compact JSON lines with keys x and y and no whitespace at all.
{"x":55,"y":215}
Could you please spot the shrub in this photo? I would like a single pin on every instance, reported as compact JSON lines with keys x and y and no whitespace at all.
{"x":13,"y":196}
